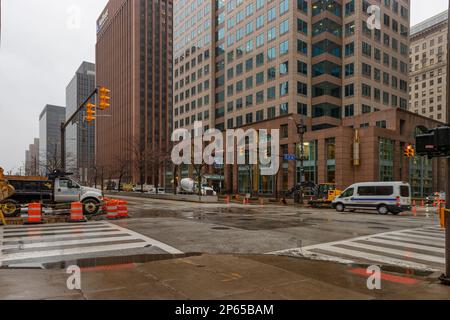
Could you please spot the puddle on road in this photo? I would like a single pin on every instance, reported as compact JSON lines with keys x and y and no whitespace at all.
{"x":116,"y":260}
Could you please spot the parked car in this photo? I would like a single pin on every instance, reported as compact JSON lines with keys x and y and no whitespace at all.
{"x":384,"y":197}
{"x":145,"y":188}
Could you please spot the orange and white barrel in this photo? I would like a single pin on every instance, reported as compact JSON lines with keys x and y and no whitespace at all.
{"x":76,"y":212}
{"x":34,"y":213}
{"x":122,"y":209}
{"x":111,"y":210}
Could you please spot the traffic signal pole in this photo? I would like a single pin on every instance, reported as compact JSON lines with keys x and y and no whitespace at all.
{"x":64,"y":126}
{"x":445,"y":278}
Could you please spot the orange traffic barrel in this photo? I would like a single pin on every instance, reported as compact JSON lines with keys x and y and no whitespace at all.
{"x":76,"y":212}
{"x":111,"y":210}
{"x":122,"y":209}
{"x":34,"y":213}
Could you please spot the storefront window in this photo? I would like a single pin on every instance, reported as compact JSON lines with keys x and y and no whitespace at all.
{"x":386,"y":159}
{"x":331,"y":160}
{"x":309,"y":163}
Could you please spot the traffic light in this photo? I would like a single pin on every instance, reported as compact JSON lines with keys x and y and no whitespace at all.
{"x":104,"y":97}
{"x":409,"y":151}
{"x":90,"y":112}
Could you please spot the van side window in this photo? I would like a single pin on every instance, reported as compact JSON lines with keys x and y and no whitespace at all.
{"x":384,"y":190}
{"x":376,"y":191}
{"x":366,"y":191}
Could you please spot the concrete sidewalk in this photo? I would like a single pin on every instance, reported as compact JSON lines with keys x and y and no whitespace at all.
{"x":211,"y":277}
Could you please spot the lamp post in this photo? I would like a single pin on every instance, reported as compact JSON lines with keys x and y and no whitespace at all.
{"x":301,"y":130}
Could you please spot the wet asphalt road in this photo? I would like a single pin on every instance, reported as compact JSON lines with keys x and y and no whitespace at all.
{"x":235,"y":228}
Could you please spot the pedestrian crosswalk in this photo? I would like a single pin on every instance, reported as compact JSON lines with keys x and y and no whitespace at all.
{"x":420,"y":249}
{"x":19,"y":244}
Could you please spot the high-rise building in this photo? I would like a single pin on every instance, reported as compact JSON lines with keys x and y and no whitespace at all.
{"x":50,"y":121}
{"x":134,"y":60}
{"x":428,"y":68}
{"x":273,"y":64}
{"x":32,"y":159}
{"x":80,"y":135}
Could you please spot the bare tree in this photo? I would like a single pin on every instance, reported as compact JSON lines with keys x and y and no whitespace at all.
{"x":156,"y":160}
{"x":53,"y":160}
{"x":121,"y":169}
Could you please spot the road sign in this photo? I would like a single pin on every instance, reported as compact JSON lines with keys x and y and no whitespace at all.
{"x":290,"y":157}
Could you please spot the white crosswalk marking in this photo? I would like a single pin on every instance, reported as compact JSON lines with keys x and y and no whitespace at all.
{"x":25,"y":243}
{"x":420,"y":249}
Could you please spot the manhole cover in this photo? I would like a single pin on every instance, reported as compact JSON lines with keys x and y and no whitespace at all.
{"x":221,"y":228}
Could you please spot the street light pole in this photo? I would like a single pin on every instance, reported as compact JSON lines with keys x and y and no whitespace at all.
{"x":301,"y":130}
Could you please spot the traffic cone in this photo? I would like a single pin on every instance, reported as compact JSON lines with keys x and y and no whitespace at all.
{"x":227,"y":199}
{"x":414,"y":210}
{"x":111,"y":210}
{"x":122,"y":210}
{"x":261,"y":201}
{"x":34,"y":214}
{"x":422,"y":204}
{"x":76,"y":213}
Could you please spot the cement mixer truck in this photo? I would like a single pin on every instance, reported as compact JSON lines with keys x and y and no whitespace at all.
{"x":191,"y":187}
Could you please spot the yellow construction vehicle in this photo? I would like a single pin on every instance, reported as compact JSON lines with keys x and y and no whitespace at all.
{"x":6,"y":190}
{"x":325,"y":194}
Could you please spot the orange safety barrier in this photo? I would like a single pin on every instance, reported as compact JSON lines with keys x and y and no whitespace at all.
{"x":122,"y":209}
{"x":111,"y":210}
{"x":34,"y":213}
{"x":76,"y":212}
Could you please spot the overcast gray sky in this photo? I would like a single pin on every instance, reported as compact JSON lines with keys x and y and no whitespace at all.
{"x":43,"y":43}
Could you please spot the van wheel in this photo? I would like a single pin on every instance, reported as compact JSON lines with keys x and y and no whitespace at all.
{"x":10,"y":208}
{"x":383,"y":210}
{"x":91,"y":206}
{"x":340,"y":207}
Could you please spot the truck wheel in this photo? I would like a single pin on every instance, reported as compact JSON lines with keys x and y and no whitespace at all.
{"x":340,"y":207}
{"x":91,"y":206}
{"x":383,"y":210}
{"x":10,"y":208}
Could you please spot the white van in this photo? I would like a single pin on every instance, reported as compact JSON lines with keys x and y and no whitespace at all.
{"x":385,"y":197}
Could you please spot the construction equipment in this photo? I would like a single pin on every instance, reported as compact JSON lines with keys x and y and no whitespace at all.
{"x":53,"y":191}
{"x":326,"y":193}
{"x":321,"y":195}
{"x":6,"y":190}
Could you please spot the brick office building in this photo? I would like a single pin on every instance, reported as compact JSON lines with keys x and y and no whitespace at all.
{"x":134,"y":60}
{"x":262,"y":63}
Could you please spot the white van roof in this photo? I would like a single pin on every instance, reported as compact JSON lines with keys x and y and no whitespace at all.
{"x":375,"y":184}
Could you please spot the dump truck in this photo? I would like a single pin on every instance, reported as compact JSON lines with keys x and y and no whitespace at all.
{"x":55,"y":191}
